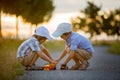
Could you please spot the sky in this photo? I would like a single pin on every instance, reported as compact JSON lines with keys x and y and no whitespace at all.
{"x":63,"y":6}
{"x":64,"y":10}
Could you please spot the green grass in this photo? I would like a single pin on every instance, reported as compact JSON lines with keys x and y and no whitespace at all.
{"x":54,"y":46}
{"x":102,"y":43}
{"x":115,"y":48}
{"x":9,"y":67}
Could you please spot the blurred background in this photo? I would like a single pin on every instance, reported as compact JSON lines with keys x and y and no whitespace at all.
{"x":95,"y":19}
{"x":98,"y":20}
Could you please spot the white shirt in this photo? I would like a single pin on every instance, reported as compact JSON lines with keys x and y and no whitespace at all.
{"x":31,"y":44}
{"x":76,"y":41}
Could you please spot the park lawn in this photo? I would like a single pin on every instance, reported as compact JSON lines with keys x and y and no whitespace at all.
{"x":9,"y":67}
{"x":115,"y":48}
{"x":55,"y":46}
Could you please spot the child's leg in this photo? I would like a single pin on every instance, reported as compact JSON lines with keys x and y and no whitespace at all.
{"x":79,"y":57}
{"x":76,"y":60}
{"x":28,"y":58}
{"x":34,"y":60}
{"x":77,"y":64}
{"x":83,"y":55}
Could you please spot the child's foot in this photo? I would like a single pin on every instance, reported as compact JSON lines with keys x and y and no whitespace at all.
{"x":83,"y":67}
{"x":75,"y":67}
{"x":30,"y":68}
{"x":64,"y":67}
{"x":34,"y":68}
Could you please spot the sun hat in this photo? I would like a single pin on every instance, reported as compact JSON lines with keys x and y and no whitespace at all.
{"x":62,"y":28}
{"x":42,"y":31}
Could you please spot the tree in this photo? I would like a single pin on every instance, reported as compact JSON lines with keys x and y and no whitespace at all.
{"x":95,"y":24}
{"x":36,"y":12}
{"x":0,"y":18}
{"x":106,"y":23}
{"x":111,"y":23}
{"x":11,"y":7}
{"x":117,"y":23}
{"x":32,"y":11}
{"x":0,"y":25}
{"x":89,"y":23}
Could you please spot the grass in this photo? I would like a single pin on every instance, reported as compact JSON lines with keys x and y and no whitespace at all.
{"x":102,"y":43}
{"x":54,"y":46}
{"x":114,"y":46}
{"x":9,"y":67}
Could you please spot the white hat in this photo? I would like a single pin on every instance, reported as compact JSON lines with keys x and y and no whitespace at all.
{"x":62,"y":28}
{"x":42,"y":31}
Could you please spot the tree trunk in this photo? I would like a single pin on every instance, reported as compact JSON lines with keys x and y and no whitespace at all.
{"x":0,"y":25}
{"x":17,"y":36}
{"x":31,"y":29}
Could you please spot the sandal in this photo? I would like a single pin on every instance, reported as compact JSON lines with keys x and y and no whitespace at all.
{"x":64,"y":67}
{"x":75,"y":67}
{"x":34,"y":68}
{"x":87,"y":64}
{"x":83,"y":67}
{"x":30,"y":68}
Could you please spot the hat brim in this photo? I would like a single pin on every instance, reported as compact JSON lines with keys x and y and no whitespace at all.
{"x":57,"y":34}
{"x":49,"y":38}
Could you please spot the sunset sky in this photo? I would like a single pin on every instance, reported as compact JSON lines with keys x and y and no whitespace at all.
{"x":64,"y":10}
{"x":63,"y":6}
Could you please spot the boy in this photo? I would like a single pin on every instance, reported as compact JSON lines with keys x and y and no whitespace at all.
{"x":78,"y":47}
{"x":31,"y":49}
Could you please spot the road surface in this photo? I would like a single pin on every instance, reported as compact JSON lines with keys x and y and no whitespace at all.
{"x":103,"y":66}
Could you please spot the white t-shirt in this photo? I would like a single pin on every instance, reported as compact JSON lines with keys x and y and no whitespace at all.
{"x":31,"y":44}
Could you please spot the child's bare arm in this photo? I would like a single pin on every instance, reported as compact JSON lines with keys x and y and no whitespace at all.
{"x":62,"y":55}
{"x":44,"y":57}
{"x":69,"y":57}
{"x":47,"y":53}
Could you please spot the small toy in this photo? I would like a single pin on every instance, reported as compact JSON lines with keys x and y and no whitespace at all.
{"x":49,"y":67}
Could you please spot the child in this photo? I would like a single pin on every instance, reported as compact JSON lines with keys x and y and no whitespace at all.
{"x":32,"y":49}
{"x":78,"y":47}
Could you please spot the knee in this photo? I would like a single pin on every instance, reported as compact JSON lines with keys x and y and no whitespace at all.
{"x":76,"y":55}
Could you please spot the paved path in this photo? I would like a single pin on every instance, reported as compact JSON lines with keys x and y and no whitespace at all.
{"x":103,"y":66}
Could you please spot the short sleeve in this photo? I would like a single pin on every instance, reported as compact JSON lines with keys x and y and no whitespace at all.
{"x":35,"y":46}
{"x":74,"y":44}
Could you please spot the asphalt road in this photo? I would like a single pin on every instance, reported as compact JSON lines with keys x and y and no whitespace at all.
{"x":103,"y":66}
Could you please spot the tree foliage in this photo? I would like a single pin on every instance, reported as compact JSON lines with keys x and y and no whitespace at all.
{"x":95,"y":24}
{"x":32,"y":11}
{"x":89,"y":23}
{"x":36,"y":11}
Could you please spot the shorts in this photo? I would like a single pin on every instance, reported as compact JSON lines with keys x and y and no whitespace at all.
{"x":26,"y":60}
{"x":84,"y":54}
